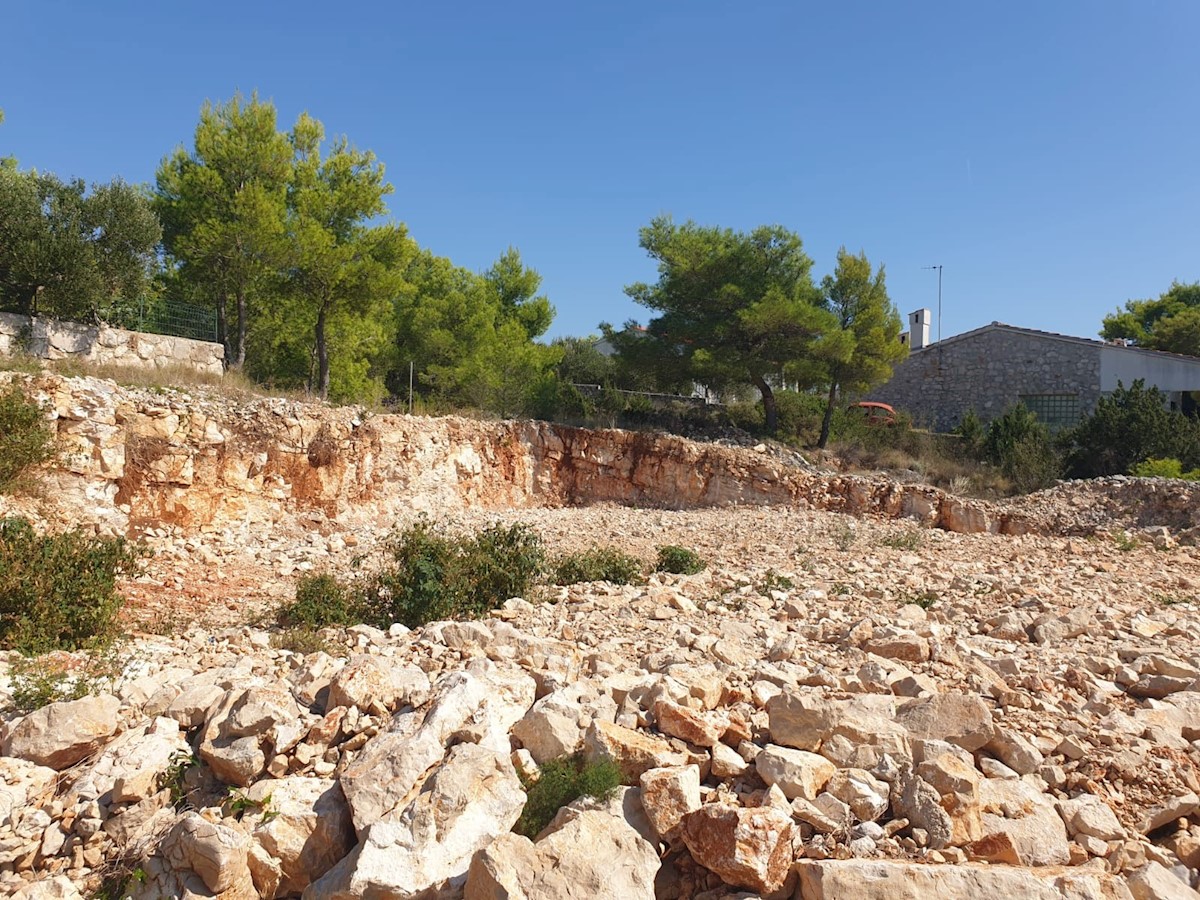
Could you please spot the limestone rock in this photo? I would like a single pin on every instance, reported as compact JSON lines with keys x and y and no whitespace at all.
{"x":870,"y":879}
{"x":1088,"y":814}
{"x":865,"y":794}
{"x":426,"y":849}
{"x":303,"y":824}
{"x":367,"y":680}
{"x":61,"y":734}
{"x":798,"y":773}
{"x":57,"y":888}
{"x":961,"y":719}
{"x":1155,"y":882}
{"x":633,"y":751}
{"x":668,"y":795}
{"x":588,"y":853}
{"x":702,"y":729}
{"x":750,"y":848}
{"x":957,"y":782}
{"x":216,"y":853}
{"x":247,"y":728}
{"x":131,"y":765}
{"x":1026,"y":820}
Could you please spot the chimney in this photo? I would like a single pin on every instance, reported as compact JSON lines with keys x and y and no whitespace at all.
{"x":918,"y":329}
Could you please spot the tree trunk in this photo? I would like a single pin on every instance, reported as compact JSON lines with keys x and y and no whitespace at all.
{"x":239,"y":351}
{"x":322,"y":357}
{"x":223,"y":329}
{"x":768,"y":398}
{"x":828,"y":419}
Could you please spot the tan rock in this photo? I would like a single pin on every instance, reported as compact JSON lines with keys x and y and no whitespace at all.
{"x":216,"y":853}
{"x":633,"y":751}
{"x":668,"y":795}
{"x":61,"y":734}
{"x":303,"y":824}
{"x":961,"y":719}
{"x":589,"y":852}
{"x":798,"y":773}
{"x":701,"y":729}
{"x":367,"y":680}
{"x":1155,"y":882}
{"x":870,"y":879}
{"x":958,"y":784}
{"x":865,"y":794}
{"x":749,"y":848}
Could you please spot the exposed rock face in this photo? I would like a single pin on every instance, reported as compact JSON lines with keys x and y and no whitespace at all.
{"x":794,"y":725}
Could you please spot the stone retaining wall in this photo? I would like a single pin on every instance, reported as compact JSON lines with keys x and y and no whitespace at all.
{"x":104,"y":345}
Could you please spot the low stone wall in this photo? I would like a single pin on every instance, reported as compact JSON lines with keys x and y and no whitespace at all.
{"x":52,"y":339}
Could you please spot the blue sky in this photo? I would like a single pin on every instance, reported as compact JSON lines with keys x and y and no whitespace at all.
{"x":1044,"y":153}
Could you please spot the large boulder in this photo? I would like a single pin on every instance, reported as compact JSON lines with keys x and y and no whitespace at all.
{"x":130,"y":767}
{"x":368,"y":681}
{"x":482,"y":701}
{"x":216,"y":853}
{"x":749,"y":848}
{"x":303,"y":825}
{"x":962,"y":719}
{"x":871,"y":879}
{"x":61,"y":734}
{"x":425,"y":850}
{"x":589,"y":852}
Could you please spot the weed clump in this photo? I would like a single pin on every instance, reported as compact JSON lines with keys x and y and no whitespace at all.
{"x":599,"y":564}
{"x":321,"y":601}
{"x":58,"y":592}
{"x":679,"y":561}
{"x":25,"y":438}
{"x":431,"y":576}
{"x":560,"y":782}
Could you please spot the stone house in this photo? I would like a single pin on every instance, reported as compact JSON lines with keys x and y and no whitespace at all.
{"x":1057,"y":376}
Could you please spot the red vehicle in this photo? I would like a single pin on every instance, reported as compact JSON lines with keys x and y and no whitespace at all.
{"x":876,"y":413}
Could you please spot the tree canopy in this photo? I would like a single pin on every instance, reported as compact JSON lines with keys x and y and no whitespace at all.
{"x":1171,"y":322}
{"x":732,"y":306}
{"x":863,"y":346}
{"x":73,"y":253}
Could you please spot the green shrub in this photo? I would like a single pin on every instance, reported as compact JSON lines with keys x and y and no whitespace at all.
{"x":431,"y":576}
{"x":58,"y":592}
{"x":1129,"y":426}
{"x":53,"y":678}
{"x":1020,"y":447}
{"x":679,"y":560}
{"x":562,"y":781}
{"x":321,"y":601}
{"x":25,"y":437}
{"x":599,"y":564}
{"x":973,"y":434}
{"x":1165,"y":468}
{"x":304,"y":639}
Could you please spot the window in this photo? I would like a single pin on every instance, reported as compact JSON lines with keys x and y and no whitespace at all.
{"x":1055,"y":411}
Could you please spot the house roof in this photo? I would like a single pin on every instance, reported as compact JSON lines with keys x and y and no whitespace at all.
{"x":1054,"y":336}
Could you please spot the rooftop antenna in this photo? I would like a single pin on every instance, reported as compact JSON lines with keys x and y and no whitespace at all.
{"x":939,"y":271}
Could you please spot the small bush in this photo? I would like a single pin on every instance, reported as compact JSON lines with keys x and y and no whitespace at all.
{"x":1165,"y":468}
{"x":304,"y":640}
{"x":562,"y":781}
{"x":25,"y":438}
{"x":1129,"y":426}
{"x":773,"y":581}
{"x":600,"y":564}
{"x":679,"y":560}
{"x":909,"y":539}
{"x":58,"y":592}
{"x":433,"y":577}
{"x":1020,"y":446}
{"x":973,"y":434}
{"x":321,"y":601}
{"x":54,"y":678}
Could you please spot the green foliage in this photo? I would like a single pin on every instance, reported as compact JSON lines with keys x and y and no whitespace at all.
{"x":923,"y":599}
{"x":679,"y":560}
{"x":304,"y":639}
{"x":1129,"y":426}
{"x":174,"y":777}
{"x":844,"y":535}
{"x":1125,"y":542}
{"x":773,"y":581}
{"x":583,"y":363}
{"x":1020,"y":446}
{"x":1165,"y":468}
{"x":734,"y":308}
{"x":431,"y":576}
{"x":598,"y":564}
{"x":58,"y":591}
{"x":1170,"y":323}
{"x":908,"y":539}
{"x":973,"y":433}
{"x":70,"y":253}
{"x":860,"y":351}
{"x":321,"y":601}
{"x":25,"y":437}
{"x":55,"y":677}
{"x":560,"y":782}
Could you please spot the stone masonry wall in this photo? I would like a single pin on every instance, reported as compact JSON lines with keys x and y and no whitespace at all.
{"x":52,"y":339}
{"x":988,"y":372}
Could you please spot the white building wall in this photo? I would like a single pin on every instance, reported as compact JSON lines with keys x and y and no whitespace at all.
{"x":1169,"y":374}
